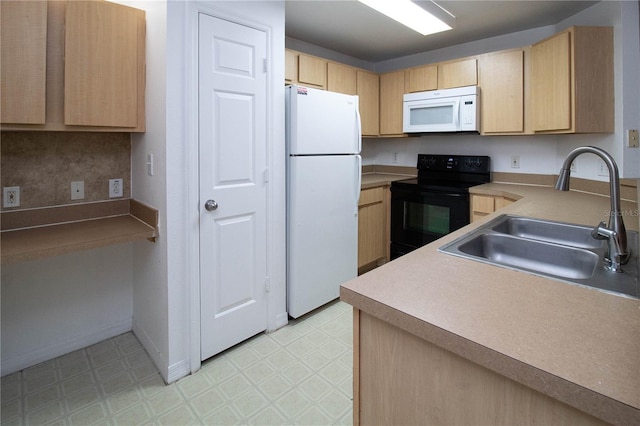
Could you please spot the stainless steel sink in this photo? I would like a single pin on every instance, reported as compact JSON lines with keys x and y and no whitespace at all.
{"x":531,"y":255}
{"x":551,"y":232}
{"x":561,"y":251}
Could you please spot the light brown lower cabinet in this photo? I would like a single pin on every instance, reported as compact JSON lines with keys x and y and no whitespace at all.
{"x":482,"y":205}
{"x":373,"y":231}
{"x":402,"y":379}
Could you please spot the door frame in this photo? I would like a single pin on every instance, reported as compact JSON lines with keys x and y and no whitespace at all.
{"x":276,"y":202}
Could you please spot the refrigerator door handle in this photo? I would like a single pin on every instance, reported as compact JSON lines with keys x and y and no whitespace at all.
{"x":358,"y":179}
{"x":359,"y":123}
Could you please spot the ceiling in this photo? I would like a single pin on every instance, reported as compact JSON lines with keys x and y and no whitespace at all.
{"x":354,"y":29}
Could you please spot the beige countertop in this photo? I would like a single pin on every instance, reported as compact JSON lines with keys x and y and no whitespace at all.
{"x":373,"y":180}
{"x":575,"y":344}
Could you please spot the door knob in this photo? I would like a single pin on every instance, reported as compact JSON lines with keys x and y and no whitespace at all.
{"x":210,"y":205}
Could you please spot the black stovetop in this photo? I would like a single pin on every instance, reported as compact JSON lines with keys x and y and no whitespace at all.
{"x":449,"y":172}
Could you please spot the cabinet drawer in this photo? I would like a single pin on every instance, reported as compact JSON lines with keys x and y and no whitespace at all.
{"x":371,"y":196}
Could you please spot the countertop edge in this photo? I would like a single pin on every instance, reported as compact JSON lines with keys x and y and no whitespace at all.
{"x":572,"y":394}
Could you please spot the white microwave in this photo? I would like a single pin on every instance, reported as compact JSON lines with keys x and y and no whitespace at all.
{"x":447,"y":110}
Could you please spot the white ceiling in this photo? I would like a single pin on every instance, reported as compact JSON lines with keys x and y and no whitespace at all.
{"x":354,"y":29}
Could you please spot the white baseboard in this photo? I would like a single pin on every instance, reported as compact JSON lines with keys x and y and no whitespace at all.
{"x":178,"y":370}
{"x":37,"y":356}
{"x":281,"y":320}
{"x":152,"y":350}
{"x":169,"y":373}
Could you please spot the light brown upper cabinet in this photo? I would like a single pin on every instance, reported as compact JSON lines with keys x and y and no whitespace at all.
{"x":305,"y":70}
{"x":572,"y":82}
{"x":98,"y":87}
{"x":341,"y":78}
{"x":502,"y":90}
{"x":23,"y":62}
{"x":312,"y":71}
{"x":95,"y":67}
{"x":420,"y":79}
{"x":444,"y":75}
{"x":458,"y":73}
{"x":368,"y":90}
{"x":290,"y":67}
{"x":392,"y":89}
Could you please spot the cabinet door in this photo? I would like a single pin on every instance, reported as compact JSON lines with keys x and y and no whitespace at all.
{"x":422,"y":78}
{"x":481,"y":205}
{"x":551,"y":83}
{"x":312,"y":71}
{"x":23,"y":62}
{"x":101,"y":64}
{"x":371,"y":226}
{"x":391,"y":91}
{"x":290,"y":67}
{"x":341,"y":79}
{"x":458,"y":74}
{"x":502,"y":92}
{"x":368,"y":91}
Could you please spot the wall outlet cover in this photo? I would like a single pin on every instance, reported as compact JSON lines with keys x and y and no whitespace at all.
{"x":633,"y":139}
{"x":115,"y":188}
{"x":11,"y":196}
{"x":77,"y":190}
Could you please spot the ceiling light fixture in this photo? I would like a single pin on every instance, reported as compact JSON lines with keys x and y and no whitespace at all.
{"x":410,"y":14}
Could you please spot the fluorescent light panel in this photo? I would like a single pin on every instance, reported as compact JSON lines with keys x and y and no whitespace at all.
{"x":410,"y":14}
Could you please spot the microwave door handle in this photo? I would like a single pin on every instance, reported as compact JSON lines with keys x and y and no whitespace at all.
{"x":456,"y":114}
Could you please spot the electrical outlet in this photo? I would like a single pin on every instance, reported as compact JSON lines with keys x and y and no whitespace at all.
{"x":515,"y":161}
{"x":394,"y":159}
{"x":115,"y":188}
{"x":574,"y":166}
{"x":77,"y":190}
{"x":633,"y":138}
{"x":603,"y":170}
{"x":11,"y":196}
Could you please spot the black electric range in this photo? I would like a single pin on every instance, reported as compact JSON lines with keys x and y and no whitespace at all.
{"x":435,"y":203}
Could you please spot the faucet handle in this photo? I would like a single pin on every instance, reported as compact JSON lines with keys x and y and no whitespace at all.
{"x":601,"y":232}
{"x":615,"y":258}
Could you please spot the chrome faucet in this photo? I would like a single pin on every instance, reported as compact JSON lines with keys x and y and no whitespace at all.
{"x":615,"y":233}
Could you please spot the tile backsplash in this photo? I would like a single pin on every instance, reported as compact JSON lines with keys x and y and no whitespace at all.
{"x":43,"y":165}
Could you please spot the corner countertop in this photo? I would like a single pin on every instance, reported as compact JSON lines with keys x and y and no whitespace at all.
{"x":373,"y":180}
{"x":575,"y":344}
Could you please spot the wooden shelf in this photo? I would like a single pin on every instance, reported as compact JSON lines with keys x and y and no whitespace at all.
{"x":23,"y":244}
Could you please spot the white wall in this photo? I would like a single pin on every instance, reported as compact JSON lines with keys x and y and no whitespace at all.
{"x":150,"y":271}
{"x":538,"y":154}
{"x":60,"y":304}
{"x":165,"y":274}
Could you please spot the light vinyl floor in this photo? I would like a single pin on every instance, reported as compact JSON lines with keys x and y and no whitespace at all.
{"x":298,"y":375}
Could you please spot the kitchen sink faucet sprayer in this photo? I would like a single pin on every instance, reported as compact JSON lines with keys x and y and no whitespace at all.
{"x":615,"y":233}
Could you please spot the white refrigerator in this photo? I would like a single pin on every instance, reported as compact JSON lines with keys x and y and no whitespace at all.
{"x":323,"y":136}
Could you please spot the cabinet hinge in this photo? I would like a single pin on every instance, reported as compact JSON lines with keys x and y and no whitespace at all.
{"x":267,"y":284}
{"x":266,"y":175}
{"x":265,"y":65}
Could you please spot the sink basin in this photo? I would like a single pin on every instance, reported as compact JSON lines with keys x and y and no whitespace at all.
{"x":561,"y":251}
{"x":552,"y":232}
{"x":532,"y":255}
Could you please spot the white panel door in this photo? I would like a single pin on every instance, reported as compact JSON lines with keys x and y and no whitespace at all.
{"x":233,"y":162}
